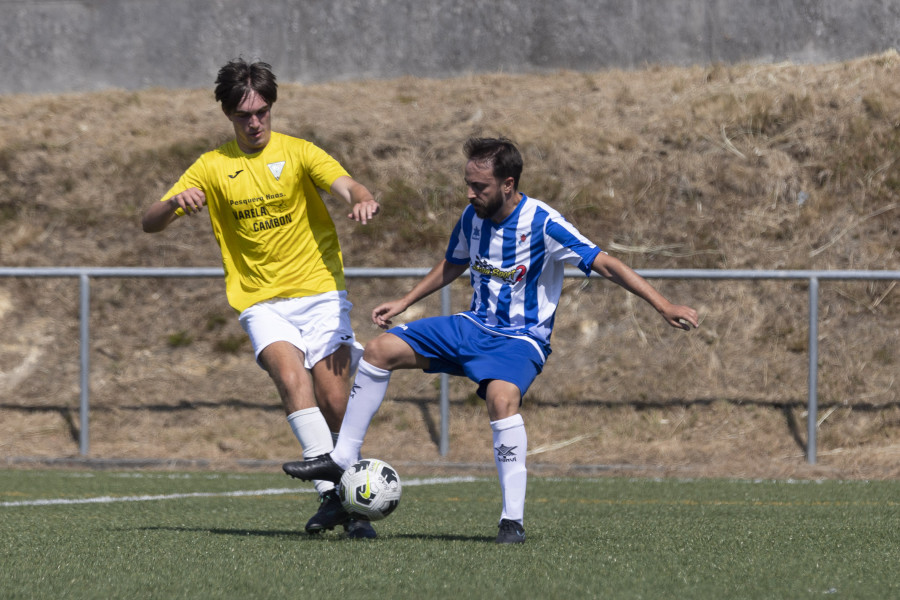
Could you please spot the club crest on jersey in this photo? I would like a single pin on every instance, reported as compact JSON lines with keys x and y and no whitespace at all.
{"x":276,"y":168}
{"x":514,"y":275}
{"x":523,"y":237}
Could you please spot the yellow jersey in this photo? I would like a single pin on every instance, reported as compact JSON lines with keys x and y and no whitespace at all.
{"x":276,"y":236}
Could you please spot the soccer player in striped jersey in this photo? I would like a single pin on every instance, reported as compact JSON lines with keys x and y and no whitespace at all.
{"x":515,"y":248}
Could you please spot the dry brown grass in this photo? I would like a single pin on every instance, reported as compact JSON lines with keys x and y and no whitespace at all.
{"x":746,"y":166}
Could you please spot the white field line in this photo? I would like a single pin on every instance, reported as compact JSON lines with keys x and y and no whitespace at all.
{"x":234,"y":494}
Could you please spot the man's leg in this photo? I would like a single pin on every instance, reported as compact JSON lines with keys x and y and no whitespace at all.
{"x":331,"y":386}
{"x":285,"y":365}
{"x":510,"y":447}
{"x":366,"y":396}
{"x":383,"y":355}
{"x":330,"y":381}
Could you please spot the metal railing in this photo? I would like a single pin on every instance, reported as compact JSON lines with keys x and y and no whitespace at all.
{"x":85,"y":274}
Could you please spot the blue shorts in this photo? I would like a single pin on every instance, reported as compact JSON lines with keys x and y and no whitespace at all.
{"x":457,"y":346}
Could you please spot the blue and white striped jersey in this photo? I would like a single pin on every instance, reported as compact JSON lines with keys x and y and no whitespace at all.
{"x":516,"y":267}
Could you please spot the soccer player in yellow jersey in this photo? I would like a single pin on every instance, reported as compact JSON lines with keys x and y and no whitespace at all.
{"x":283,"y":266}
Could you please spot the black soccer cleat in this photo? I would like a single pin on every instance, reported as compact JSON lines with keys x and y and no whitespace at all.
{"x":511,"y":532}
{"x":317,"y":468}
{"x":359,"y":530}
{"x":330,"y":514}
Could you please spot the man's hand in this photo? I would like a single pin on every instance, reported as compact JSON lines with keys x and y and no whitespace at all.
{"x":358,"y":196}
{"x":682,"y":317}
{"x":365,"y":210}
{"x":381,"y":314}
{"x":191,"y":201}
{"x":160,"y":214}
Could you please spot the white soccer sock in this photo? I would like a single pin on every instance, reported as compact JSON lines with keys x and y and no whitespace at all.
{"x":366,"y":396}
{"x":334,"y":436}
{"x":314,"y":435}
{"x":510,"y":446}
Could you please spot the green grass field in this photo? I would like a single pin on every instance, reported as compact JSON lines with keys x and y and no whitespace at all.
{"x":76,"y":534}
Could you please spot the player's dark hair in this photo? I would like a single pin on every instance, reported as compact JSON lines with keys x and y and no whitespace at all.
{"x":501,"y":153}
{"x":238,"y":78}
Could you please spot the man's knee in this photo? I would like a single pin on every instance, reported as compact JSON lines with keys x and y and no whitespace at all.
{"x":378,"y":351}
{"x":503,"y":399}
{"x":389,"y":352}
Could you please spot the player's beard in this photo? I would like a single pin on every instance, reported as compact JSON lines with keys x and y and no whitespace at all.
{"x":488,"y":209}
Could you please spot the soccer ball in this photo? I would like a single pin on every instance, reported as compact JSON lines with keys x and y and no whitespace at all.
{"x":370,"y":490}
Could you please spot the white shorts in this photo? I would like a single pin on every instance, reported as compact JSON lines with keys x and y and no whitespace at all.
{"x":316,"y":325}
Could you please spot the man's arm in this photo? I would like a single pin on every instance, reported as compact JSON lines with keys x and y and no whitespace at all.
{"x":618,"y":272}
{"x":356,"y":195}
{"x":160,"y":214}
{"x":442,"y":274}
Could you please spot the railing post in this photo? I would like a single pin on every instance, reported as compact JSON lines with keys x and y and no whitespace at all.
{"x":812,"y":399}
{"x":85,"y":317}
{"x":444,"y":444}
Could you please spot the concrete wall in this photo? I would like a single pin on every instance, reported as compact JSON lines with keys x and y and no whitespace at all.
{"x":78,"y":45}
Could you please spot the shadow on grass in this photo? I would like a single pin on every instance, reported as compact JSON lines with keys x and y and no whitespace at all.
{"x":234,"y":532}
{"x":319,"y":536}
